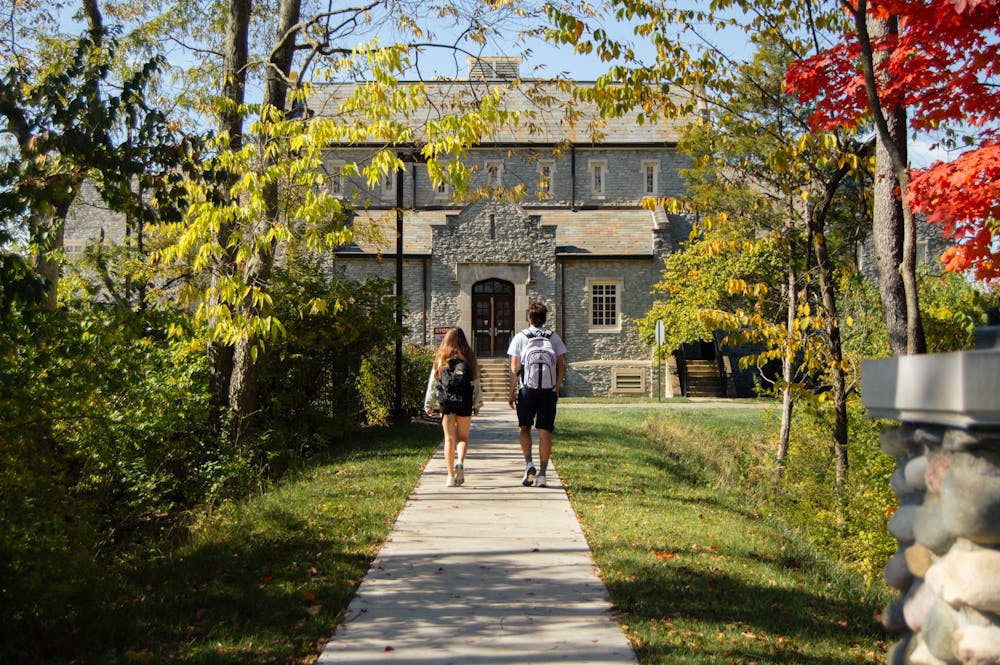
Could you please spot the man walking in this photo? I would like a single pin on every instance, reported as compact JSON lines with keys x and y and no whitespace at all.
{"x":537,"y":368}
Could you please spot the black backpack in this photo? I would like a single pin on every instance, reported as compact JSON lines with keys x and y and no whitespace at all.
{"x":455,"y":385}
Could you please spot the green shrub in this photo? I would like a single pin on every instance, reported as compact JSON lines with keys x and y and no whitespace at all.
{"x":104,"y":444}
{"x":376,"y":381}
{"x":307,"y":382}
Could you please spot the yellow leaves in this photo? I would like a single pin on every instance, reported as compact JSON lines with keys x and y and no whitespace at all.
{"x":739,"y":287}
{"x":736,"y":287}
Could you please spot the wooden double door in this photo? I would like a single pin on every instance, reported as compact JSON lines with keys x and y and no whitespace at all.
{"x":492,"y":317}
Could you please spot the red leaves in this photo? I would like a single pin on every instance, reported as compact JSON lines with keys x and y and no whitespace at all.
{"x":937,"y":68}
{"x":959,"y":195}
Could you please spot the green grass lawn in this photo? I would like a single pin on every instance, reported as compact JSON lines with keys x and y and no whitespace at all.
{"x":696,"y":574}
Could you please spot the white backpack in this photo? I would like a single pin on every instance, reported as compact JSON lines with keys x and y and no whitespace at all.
{"x":538,"y":360}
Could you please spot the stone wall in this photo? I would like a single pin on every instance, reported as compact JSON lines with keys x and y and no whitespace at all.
{"x":589,"y":349}
{"x":416,"y":273}
{"x":947,"y":525}
{"x":570,"y":169}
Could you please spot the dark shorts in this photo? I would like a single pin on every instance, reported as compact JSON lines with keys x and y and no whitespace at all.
{"x":457,"y":410}
{"x":537,"y":408}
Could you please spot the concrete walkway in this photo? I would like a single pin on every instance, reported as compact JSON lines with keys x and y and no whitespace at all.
{"x":491,"y":572}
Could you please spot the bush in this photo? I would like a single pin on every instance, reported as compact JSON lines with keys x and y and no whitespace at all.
{"x":307,"y":382}
{"x":851,"y":527}
{"x":376,"y":381}
{"x":104,"y":444}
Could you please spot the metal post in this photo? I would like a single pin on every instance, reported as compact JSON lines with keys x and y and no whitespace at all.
{"x":398,"y":402}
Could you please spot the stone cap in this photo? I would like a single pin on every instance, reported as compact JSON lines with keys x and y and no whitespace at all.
{"x":960,"y":389}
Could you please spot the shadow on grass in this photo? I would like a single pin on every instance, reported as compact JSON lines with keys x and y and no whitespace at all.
{"x":692,"y":614}
{"x":269,"y":580}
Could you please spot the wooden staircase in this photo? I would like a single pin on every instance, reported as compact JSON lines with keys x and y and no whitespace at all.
{"x":703,"y":379}
{"x":495,"y":373}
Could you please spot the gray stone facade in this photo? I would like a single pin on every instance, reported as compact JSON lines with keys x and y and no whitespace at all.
{"x":91,"y":222}
{"x":577,"y":238}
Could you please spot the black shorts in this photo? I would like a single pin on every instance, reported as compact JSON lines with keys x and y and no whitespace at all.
{"x":537,"y":407}
{"x":456,"y":410}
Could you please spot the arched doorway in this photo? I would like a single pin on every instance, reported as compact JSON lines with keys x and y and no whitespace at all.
{"x":492,"y":317}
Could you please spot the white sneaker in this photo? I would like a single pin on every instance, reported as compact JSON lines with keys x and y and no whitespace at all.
{"x":459,"y":474}
{"x":450,"y":482}
{"x":540,"y":480}
{"x":529,"y":476}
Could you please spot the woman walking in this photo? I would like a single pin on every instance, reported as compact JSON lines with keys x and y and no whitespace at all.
{"x":454,"y":389}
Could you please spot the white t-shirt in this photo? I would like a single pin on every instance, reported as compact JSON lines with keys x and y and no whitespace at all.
{"x":517,"y":344}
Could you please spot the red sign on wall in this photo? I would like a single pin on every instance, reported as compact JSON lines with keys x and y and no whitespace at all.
{"x":439,"y":333}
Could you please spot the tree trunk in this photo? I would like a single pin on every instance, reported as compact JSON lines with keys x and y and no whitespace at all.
{"x":838,"y":383}
{"x":234,"y":72}
{"x":893,"y":226}
{"x":243,"y":397}
{"x":787,"y":374}
{"x":887,"y":237}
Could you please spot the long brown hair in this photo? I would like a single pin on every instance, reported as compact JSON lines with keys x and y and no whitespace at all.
{"x":454,"y":345}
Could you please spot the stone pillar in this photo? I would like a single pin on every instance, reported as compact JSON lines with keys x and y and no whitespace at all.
{"x":947,"y":479}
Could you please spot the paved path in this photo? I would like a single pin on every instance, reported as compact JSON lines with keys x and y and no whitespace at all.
{"x":488,"y":573}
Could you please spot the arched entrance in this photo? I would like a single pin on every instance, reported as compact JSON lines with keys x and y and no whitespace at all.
{"x":492,"y":317}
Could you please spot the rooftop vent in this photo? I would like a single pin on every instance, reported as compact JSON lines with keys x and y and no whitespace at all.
{"x":494,"y":68}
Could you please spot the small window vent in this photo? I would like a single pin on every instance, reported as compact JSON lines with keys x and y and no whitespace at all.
{"x":494,"y":68}
{"x":632,"y":381}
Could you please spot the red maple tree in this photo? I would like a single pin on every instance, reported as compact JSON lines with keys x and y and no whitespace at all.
{"x":943,"y":67}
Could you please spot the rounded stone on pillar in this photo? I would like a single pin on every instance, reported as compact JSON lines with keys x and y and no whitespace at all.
{"x":938,"y":464}
{"x":921,"y":655}
{"x":939,"y":631}
{"x":961,"y":439}
{"x":917,"y":605}
{"x":892,"y":617}
{"x":970,"y":497}
{"x":899,"y":652}
{"x":978,"y":644}
{"x":918,"y":559}
{"x":927,"y":436}
{"x":968,"y":575}
{"x":929,"y":528}
{"x":914,"y":471}
{"x":901,"y":523}
{"x":896,"y":573}
{"x":896,"y":443}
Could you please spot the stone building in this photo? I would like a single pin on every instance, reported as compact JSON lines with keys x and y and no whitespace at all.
{"x":578,"y":239}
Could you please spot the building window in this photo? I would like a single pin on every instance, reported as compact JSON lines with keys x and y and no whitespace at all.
{"x":389,"y":185}
{"x":494,"y":174}
{"x":545,"y":172}
{"x":337,"y":179}
{"x":650,"y":178}
{"x":598,"y":178}
{"x":442,"y":191}
{"x":604,"y":304}
{"x":74,"y":249}
{"x":922,"y":255}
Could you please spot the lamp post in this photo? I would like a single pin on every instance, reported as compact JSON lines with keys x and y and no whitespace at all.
{"x":399,"y":415}
{"x":397,"y":410}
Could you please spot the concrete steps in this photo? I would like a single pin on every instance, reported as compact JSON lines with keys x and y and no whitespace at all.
{"x":703,"y":379}
{"x":495,"y":374}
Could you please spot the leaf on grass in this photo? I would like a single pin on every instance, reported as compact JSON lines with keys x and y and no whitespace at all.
{"x":665,"y":555}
